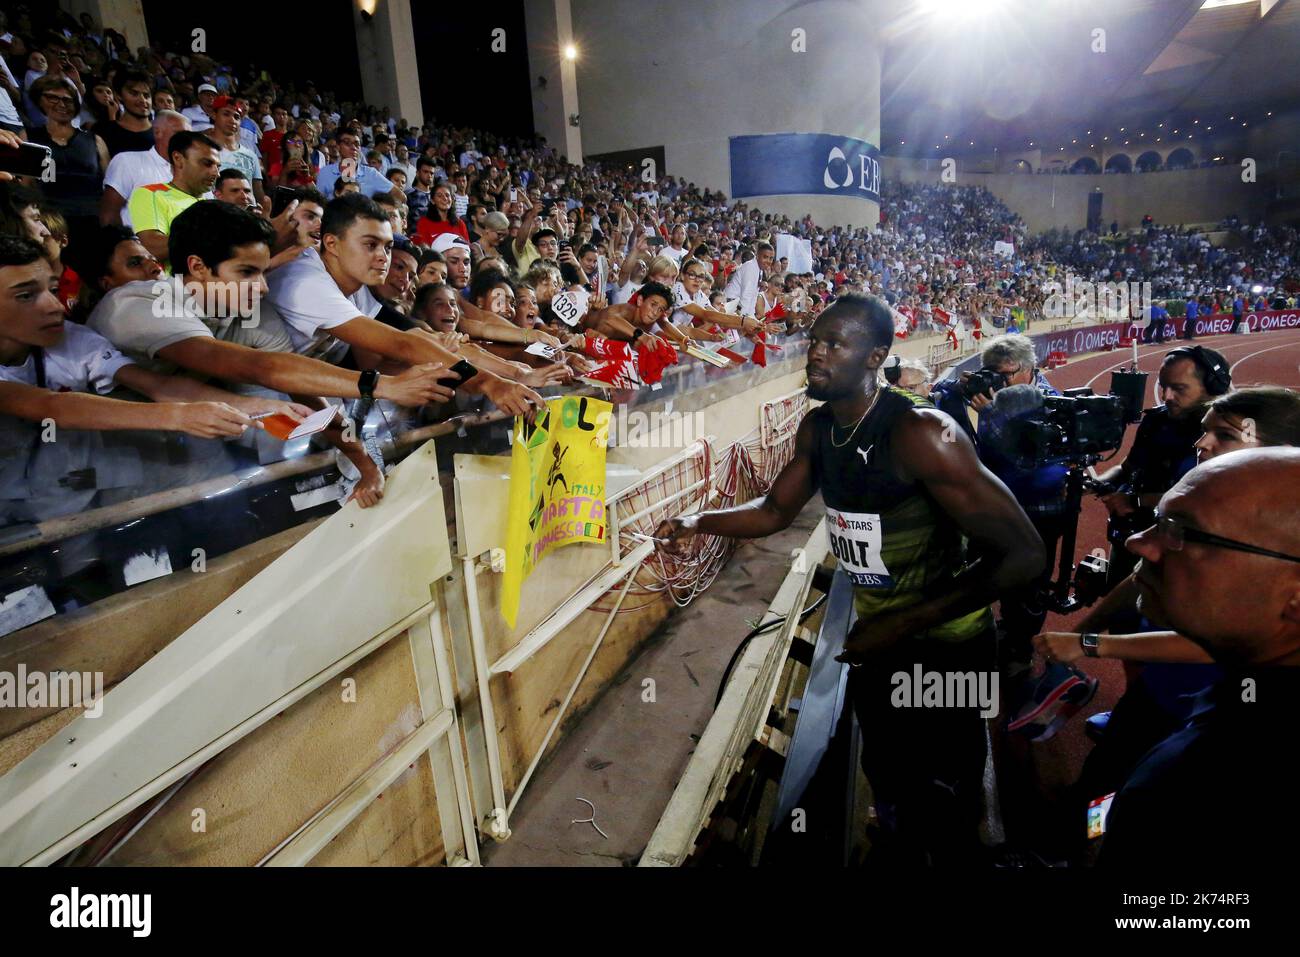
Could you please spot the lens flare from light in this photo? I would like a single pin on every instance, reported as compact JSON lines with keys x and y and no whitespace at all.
{"x":959,"y":9}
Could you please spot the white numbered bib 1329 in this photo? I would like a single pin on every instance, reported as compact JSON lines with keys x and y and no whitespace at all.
{"x":570,"y":306}
{"x":855,"y":539}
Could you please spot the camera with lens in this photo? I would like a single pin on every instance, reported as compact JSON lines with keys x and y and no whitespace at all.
{"x":984,"y":381}
{"x":1073,"y":427}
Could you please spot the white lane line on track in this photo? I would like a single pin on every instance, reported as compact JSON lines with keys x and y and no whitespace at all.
{"x":1153,"y":351}
{"x":1284,"y":345}
{"x":1118,"y":365}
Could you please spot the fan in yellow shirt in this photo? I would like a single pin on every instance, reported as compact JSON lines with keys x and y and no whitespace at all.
{"x":195,"y":163}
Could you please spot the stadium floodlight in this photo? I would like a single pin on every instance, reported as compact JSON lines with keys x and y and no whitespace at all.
{"x":959,"y":9}
{"x":570,"y":52}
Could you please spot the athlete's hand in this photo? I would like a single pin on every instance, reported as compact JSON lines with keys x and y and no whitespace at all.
{"x":514,"y":398}
{"x":675,"y":535}
{"x":872,"y":636}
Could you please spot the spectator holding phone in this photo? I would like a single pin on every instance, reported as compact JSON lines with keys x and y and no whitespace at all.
{"x":291,"y":168}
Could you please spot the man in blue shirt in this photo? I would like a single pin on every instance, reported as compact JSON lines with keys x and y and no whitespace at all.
{"x":1156,"y":325}
{"x":1193,"y":310}
{"x":370,"y":179}
{"x":1238,"y":308}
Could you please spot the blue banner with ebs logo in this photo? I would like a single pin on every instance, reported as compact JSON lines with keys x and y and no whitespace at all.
{"x":820,"y":164}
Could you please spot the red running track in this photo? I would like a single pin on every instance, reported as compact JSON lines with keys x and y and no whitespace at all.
{"x":1268,"y":358}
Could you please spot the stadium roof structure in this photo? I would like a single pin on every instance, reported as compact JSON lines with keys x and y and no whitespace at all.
{"x":1010,"y":72}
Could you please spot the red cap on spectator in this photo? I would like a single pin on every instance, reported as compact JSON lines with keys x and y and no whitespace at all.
{"x":221,"y":102}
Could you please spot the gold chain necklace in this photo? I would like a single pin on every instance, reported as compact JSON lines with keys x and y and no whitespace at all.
{"x":871,"y":405}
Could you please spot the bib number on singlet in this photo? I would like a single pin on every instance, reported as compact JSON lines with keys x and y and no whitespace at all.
{"x":855,"y":540}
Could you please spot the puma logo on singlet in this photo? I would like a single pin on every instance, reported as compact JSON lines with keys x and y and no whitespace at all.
{"x":865,"y":453}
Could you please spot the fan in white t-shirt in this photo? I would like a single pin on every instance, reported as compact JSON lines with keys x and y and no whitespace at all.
{"x":129,"y":171}
{"x":324,"y":300}
{"x":54,"y":375}
{"x":311,"y":303}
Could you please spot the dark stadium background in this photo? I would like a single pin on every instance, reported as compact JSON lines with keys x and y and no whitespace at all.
{"x":317,"y":41}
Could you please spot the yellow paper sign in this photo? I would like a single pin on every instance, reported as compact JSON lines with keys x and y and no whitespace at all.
{"x":557,"y":487}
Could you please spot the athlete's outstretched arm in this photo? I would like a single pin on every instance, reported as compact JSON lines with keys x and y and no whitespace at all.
{"x":763,"y":516}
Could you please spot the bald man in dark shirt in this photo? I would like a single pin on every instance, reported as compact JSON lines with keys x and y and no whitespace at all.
{"x":1222,"y":566}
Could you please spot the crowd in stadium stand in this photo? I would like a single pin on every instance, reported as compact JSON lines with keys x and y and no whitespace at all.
{"x":231,"y":244}
{"x":1258,"y":263}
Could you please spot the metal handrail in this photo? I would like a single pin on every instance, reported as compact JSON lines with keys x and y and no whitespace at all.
{"x":109,"y":516}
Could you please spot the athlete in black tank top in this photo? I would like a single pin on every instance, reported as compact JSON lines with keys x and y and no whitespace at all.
{"x":904,"y":479}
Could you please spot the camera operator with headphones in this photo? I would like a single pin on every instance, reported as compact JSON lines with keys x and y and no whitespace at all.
{"x":1157,"y":699}
{"x":1164,"y":448}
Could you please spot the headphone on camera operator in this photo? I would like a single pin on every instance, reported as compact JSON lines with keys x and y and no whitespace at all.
{"x":1164,"y":448}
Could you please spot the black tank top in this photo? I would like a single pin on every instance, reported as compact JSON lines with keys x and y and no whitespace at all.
{"x":78,"y":180}
{"x":889,"y":535}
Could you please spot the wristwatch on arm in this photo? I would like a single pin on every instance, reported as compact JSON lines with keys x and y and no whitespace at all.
{"x":1088,"y":641}
{"x":367,"y":383}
